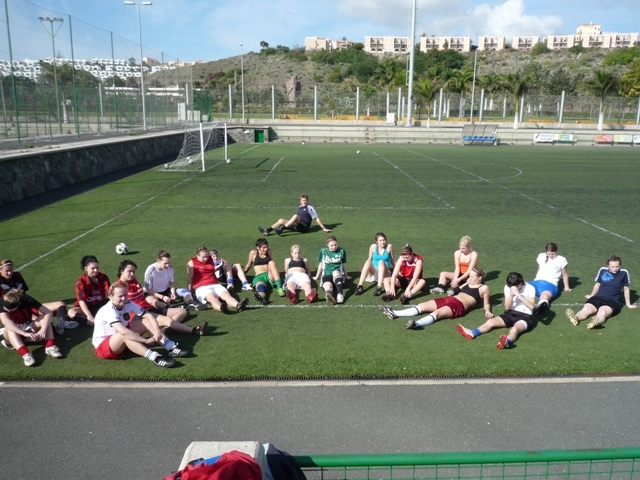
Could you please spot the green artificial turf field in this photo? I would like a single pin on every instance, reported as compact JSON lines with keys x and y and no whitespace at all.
{"x":510,"y":200}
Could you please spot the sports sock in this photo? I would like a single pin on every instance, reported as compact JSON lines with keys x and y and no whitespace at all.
{"x":428,"y":320}
{"x":541,"y":302}
{"x":509,"y":342}
{"x":61,"y":313}
{"x":269,"y":229}
{"x":49,"y":343}
{"x":407,"y":312}
{"x":151,"y":355}
{"x":23,"y":351}
{"x":278,"y":283}
{"x":476,"y":332}
{"x":440,"y":286}
{"x":168,"y":344}
{"x":339,"y":283}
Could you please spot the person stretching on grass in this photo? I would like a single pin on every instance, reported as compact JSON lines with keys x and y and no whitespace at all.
{"x":603,"y":301}
{"x":162,"y":313}
{"x":331,"y":260}
{"x":202,"y":280}
{"x":266,"y":272}
{"x":407,"y":274}
{"x":296,"y":276}
{"x":225,"y":272}
{"x":300,"y":222}
{"x":120,"y":325}
{"x":551,"y":267}
{"x":24,"y":318}
{"x":160,"y":286}
{"x":464,"y":260}
{"x":10,"y":280}
{"x":519,"y":300}
{"x":92,"y":292}
{"x":461,"y":299}
{"x":378,"y":266}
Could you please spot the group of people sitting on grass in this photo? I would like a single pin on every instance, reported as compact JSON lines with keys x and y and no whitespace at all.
{"x":129,"y":315}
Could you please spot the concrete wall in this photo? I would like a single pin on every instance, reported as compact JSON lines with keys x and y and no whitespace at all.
{"x":44,"y":169}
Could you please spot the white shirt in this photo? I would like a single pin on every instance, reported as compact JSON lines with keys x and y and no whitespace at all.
{"x":107,"y":316}
{"x":550,"y":270}
{"x":528,"y":291}
{"x":157,"y":280}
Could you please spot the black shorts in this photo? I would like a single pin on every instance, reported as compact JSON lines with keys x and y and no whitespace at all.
{"x":159,"y":311}
{"x":327,"y":279}
{"x":511,"y":317}
{"x":301,"y":227}
{"x":605,"y":302}
{"x":403,"y":281}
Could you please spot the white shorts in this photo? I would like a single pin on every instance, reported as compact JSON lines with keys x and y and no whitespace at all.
{"x":373,"y":277}
{"x":298,"y":278}
{"x":202,"y":292}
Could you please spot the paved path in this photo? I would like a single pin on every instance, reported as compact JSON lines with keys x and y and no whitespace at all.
{"x":141,"y":430}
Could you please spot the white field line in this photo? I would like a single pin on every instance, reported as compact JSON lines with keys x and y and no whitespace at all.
{"x":271,"y":171}
{"x":247,"y":207}
{"x":99,"y":226}
{"x":413,"y":179}
{"x":524,"y":195}
{"x":325,"y":383}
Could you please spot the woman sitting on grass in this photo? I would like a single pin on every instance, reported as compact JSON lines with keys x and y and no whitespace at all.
{"x":118,"y":328}
{"x":465,"y":259}
{"x":612,"y":283}
{"x":266,"y":271}
{"x":160,"y":286}
{"x":202,"y":280}
{"x":407,"y":274}
{"x":17,"y":316}
{"x":461,"y":299}
{"x":92,"y":292}
{"x":551,"y":267}
{"x":10,"y":280}
{"x":297,"y":277}
{"x":378,"y":266}
{"x":165,"y":317}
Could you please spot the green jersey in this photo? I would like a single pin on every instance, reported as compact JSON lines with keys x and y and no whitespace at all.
{"x":331,"y":261}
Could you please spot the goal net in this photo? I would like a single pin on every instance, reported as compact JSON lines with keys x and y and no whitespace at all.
{"x":203,"y":144}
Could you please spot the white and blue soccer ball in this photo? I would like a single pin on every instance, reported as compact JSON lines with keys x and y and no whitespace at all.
{"x":122,"y":249}
{"x":228,"y":160}
{"x":189,"y":159}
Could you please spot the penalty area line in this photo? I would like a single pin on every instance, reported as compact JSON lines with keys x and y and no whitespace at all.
{"x":271,"y":171}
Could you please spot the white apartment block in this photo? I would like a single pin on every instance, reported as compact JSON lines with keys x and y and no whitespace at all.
{"x":587,"y":29}
{"x":491,"y":43}
{"x":386,"y":45}
{"x":525,"y":44}
{"x":461,"y":44}
{"x":312,"y":44}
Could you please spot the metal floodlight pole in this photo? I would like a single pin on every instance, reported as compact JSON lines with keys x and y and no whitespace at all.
{"x":51,"y":20}
{"x":473,"y":88}
{"x":411,"y":56}
{"x":242,"y":79}
{"x":144,"y":105}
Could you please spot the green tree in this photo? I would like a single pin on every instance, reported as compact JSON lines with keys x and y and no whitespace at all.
{"x":424,"y":90}
{"x":630,"y":82}
{"x":517,"y":86}
{"x":601,"y":85}
{"x":539,"y":48}
{"x":335,"y":76}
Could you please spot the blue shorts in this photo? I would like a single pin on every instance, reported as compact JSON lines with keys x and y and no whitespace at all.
{"x":544,"y":286}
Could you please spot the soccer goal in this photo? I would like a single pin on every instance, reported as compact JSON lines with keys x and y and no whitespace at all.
{"x":203,"y":144}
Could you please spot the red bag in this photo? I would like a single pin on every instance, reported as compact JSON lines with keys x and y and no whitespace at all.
{"x":233,"y":465}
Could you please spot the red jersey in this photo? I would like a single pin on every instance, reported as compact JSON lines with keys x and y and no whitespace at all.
{"x":204,"y":273}
{"x":23,"y":314}
{"x":136,"y":294}
{"x":407,"y":269}
{"x":93,"y":294}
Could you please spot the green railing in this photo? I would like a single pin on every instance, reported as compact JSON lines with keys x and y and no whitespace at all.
{"x":600,"y":464}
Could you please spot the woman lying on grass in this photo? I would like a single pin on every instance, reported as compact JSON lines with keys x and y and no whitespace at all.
{"x":462,"y":299}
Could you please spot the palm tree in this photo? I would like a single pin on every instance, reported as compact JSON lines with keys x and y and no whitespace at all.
{"x":386,"y":72}
{"x":425,"y":89}
{"x":602,"y":85}
{"x":517,"y":85}
{"x":459,"y":81}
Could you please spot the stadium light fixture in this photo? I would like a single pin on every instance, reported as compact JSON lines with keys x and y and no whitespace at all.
{"x":144,"y":105}
{"x":53,"y":34}
{"x":242,"y":79}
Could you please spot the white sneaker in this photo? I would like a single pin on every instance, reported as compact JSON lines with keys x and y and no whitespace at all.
{"x":340,"y":298}
{"x":53,"y":352}
{"x":29,"y":361}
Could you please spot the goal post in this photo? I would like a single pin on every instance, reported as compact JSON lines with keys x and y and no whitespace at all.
{"x":202,"y":144}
